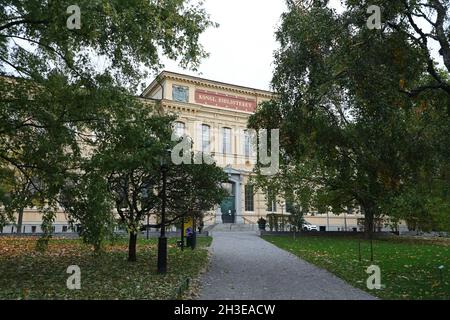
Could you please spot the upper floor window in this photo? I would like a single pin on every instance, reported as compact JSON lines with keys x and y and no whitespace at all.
{"x":180,"y":93}
{"x":247,"y":144}
{"x":226,"y":142}
{"x":206,"y":138}
{"x":179,"y":129}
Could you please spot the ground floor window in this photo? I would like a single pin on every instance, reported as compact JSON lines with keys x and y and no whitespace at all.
{"x":249,"y":198}
{"x":289,"y":206}
{"x":271,"y":201}
{"x":33,"y":229}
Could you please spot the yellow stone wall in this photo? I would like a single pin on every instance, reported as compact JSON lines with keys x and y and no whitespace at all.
{"x":193,"y":114}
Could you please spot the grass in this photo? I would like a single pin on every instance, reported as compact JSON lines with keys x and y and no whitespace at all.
{"x":409,"y":269}
{"x":27,"y":274}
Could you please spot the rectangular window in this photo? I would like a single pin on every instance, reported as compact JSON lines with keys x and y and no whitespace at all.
{"x":180,"y":93}
{"x":249,"y":198}
{"x":206,"y":138}
{"x":248,"y":143}
{"x":271,"y":201}
{"x":226,"y":134}
{"x":289,"y":202}
{"x":64,"y":229}
{"x":179,"y":129}
{"x":289,"y":206}
{"x":33,"y":229}
{"x":229,"y":188}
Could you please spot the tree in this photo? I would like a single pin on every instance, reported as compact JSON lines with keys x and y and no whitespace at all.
{"x":354,"y":106}
{"x":127,"y":157}
{"x":58,"y":85}
{"x":411,"y":18}
{"x":86,"y":200}
{"x":16,"y":194}
{"x":194,"y":188}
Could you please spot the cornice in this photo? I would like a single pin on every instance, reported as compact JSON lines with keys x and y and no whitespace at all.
{"x":208,"y":84}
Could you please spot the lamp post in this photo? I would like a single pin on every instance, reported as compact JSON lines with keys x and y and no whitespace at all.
{"x":148,"y":223}
{"x":328,"y":221}
{"x":162,"y":240}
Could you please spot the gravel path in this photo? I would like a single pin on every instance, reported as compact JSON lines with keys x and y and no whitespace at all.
{"x":245,"y":267}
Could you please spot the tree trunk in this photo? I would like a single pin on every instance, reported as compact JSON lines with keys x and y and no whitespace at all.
{"x":132,"y":247}
{"x":368,"y":221}
{"x":20,"y":220}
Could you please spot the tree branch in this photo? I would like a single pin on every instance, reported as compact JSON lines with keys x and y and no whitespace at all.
{"x":23,"y":21}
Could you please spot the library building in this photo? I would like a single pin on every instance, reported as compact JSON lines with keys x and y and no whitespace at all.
{"x":214,"y":115}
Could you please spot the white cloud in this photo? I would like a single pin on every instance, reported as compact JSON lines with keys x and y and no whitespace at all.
{"x":241,"y":48}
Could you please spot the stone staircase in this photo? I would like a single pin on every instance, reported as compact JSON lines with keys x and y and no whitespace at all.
{"x":233,"y":227}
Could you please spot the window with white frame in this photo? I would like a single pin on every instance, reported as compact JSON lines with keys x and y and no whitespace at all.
{"x":249,"y":198}
{"x":226,"y":140}
{"x":206,"y":138}
{"x":271,"y":201}
{"x":247,"y":144}
{"x":179,"y":128}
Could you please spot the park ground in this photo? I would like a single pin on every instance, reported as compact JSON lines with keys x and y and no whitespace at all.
{"x":409,"y":267}
{"x":28,"y":274}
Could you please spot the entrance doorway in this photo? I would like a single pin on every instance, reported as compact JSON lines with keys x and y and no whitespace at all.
{"x":228,"y":205}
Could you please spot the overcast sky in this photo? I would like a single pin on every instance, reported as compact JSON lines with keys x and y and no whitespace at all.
{"x":241,"y":48}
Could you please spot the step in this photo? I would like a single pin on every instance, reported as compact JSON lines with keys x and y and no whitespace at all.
{"x":234,"y":227}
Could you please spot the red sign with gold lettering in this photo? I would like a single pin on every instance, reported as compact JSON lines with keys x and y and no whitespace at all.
{"x":225,"y":100}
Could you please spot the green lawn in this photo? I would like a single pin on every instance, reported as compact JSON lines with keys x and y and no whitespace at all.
{"x":409,"y":269}
{"x":27,"y":274}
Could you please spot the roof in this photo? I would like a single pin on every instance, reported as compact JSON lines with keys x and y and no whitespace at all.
{"x":207,"y":83}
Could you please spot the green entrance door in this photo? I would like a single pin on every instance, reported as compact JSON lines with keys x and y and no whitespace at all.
{"x":228,"y":206}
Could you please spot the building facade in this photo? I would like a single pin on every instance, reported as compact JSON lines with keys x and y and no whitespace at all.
{"x":215,"y":115}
